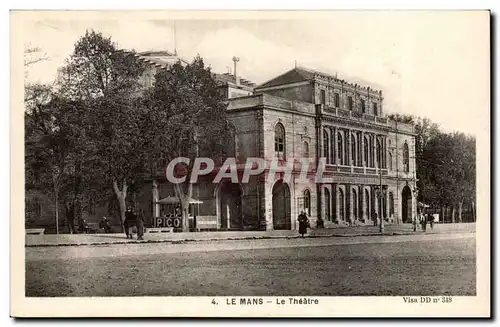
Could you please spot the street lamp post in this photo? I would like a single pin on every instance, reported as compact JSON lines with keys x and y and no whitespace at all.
{"x":381,"y":227}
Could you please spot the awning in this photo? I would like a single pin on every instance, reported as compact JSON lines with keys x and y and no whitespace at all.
{"x":423,"y":205}
{"x":175,"y":200}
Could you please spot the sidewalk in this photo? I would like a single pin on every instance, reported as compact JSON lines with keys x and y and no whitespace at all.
{"x":104,"y":239}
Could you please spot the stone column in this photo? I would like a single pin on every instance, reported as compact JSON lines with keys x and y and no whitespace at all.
{"x":386,"y":150}
{"x":375,"y":161}
{"x":319,"y":201}
{"x":386,"y":199}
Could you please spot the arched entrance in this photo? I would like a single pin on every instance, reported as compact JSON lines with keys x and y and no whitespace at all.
{"x":406,"y":205}
{"x":281,"y":206}
{"x":230,"y":213}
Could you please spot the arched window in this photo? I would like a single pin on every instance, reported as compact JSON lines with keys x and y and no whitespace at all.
{"x":346,"y":149}
{"x":390,"y":161}
{"x":326,"y":146}
{"x":336,"y":99}
{"x":341,"y":205}
{"x":307,"y":202}
{"x":327,"y":204}
{"x":372,"y":161}
{"x":367,"y":204}
{"x":353,"y":150}
{"x":279,"y":140}
{"x":379,"y":154}
{"x":406,"y":158}
{"x":340,"y":149}
{"x":349,"y":103}
{"x":305,"y":149}
{"x":366,"y":151}
{"x":354,"y":204}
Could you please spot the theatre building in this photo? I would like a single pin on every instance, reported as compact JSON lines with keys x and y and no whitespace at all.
{"x":307,"y":114}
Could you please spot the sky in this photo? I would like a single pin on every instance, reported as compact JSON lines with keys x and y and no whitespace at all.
{"x":429,"y":64}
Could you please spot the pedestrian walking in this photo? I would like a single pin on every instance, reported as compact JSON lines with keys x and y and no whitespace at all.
{"x":70,"y":217}
{"x":414,"y":221}
{"x":130,"y":221}
{"x":303,"y":223}
{"x":375,"y":219}
{"x":430,"y":218}
{"x":423,"y":222}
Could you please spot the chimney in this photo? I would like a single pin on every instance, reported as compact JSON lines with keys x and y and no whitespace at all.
{"x":237,"y":78}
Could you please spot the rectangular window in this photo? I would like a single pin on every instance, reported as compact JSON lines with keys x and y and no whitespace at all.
{"x":375,"y":109}
{"x":322,"y":96}
{"x":363,"y":107}
{"x":349,"y":103}
{"x":337,"y":100}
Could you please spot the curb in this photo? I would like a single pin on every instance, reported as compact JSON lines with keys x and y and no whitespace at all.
{"x":184,"y":241}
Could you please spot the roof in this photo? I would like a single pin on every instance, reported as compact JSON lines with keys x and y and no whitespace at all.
{"x":161,"y":59}
{"x":294,"y":75}
{"x":165,"y":59}
{"x":299,"y":74}
{"x":229,"y":78}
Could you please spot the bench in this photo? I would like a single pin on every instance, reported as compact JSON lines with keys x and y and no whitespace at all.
{"x":206,"y":222}
{"x":35,"y":231}
{"x":159,"y":230}
{"x":93,"y":227}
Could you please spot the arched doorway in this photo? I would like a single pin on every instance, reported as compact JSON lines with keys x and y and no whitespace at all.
{"x":281,"y":206}
{"x":327,"y":204}
{"x":341,"y":205}
{"x":230,"y":206}
{"x":406,"y":205}
{"x":367,"y":209}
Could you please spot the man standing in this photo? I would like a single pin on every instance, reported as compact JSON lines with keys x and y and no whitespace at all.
{"x":70,"y":217}
{"x":130,"y":220}
{"x":303,"y":223}
{"x":423,"y":221}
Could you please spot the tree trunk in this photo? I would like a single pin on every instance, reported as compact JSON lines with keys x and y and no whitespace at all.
{"x":453,"y":214}
{"x":184,"y":207}
{"x":460,"y":204}
{"x":56,"y":193}
{"x":473,"y":211}
{"x":442,"y":214}
{"x":121,"y":196}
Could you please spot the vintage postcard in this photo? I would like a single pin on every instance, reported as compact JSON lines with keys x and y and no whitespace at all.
{"x":250,"y":164}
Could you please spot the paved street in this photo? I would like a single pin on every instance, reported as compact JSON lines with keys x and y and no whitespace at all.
{"x":82,"y":239}
{"x":435,"y":264}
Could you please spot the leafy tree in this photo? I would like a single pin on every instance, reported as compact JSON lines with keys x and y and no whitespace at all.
{"x":187,"y":119}
{"x":445,"y":164}
{"x":50,"y":136}
{"x":106,"y":81}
